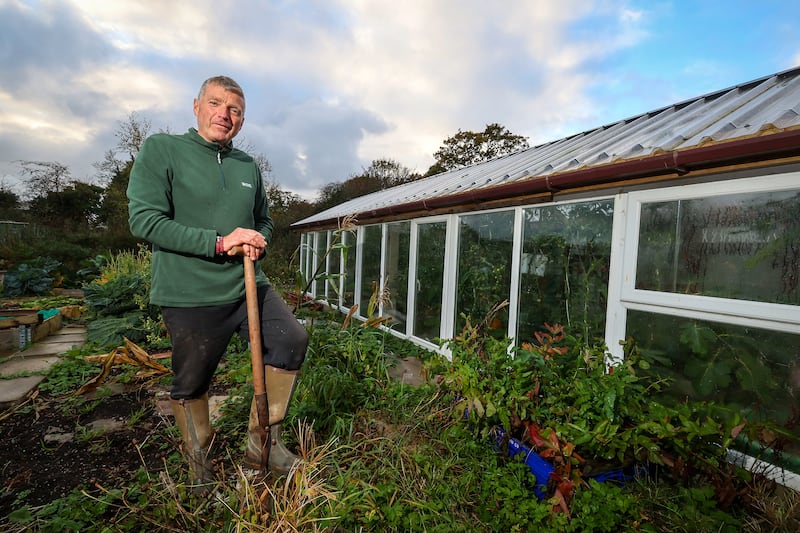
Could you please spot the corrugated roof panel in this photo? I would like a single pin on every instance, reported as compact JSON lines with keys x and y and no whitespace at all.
{"x":723,"y":114}
{"x":764,"y":106}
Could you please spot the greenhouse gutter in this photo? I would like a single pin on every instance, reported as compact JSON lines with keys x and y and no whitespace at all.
{"x":758,"y":148}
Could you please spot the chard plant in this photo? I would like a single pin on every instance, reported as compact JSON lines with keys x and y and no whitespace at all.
{"x":117,"y":302}
{"x":560,"y":397}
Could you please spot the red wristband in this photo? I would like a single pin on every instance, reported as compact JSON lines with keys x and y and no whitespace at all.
{"x":219,"y":248}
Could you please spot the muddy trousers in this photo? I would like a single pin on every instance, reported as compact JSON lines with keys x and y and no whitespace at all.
{"x":200,"y":336}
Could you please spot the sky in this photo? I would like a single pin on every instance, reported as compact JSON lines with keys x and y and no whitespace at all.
{"x":332,"y":85}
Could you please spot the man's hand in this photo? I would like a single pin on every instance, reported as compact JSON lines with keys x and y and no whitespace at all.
{"x":251,"y":241}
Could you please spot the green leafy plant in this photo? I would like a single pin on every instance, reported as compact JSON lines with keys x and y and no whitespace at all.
{"x":92,"y":268}
{"x":559,"y":396}
{"x":118,"y":303}
{"x":35,"y":277}
{"x":383,"y":456}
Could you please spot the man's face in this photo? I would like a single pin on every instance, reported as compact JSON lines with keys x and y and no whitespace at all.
{"x":220,"y":114}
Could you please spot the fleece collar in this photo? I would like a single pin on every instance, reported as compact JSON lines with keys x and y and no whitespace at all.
{"x":195,"y":136}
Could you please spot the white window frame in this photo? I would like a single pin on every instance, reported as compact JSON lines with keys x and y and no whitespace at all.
{"x":748,"y":313}
{"x":623,"y":294}
{"x":412,"y":281}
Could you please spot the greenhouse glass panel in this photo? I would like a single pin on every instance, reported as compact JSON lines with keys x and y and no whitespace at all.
{"x":319,"y":257}
{"x":398,"y":238}
{"x":370,"y":270}
{"x":740,"y":246}
{"x":485,"y":243}
{"x":753,"y":372}
{"x":334,"y":272}
{"x":429,"y":279}
{"x":308,"y":259}
{"x":564,"y":268}
{"x":349,"y":241}
{"x":302,"y":255}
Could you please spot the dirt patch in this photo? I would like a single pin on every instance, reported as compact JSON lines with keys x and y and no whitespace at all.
{"x":46,"y":453}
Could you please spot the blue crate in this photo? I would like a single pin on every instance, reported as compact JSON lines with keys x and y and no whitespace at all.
{"x":542,"y":469}
{"x":619,"y":475}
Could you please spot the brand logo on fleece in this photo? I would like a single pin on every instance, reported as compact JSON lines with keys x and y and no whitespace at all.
{"x":248,"y":185}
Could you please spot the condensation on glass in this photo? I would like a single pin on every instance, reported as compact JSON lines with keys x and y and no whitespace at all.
{"x":564,"y":268}
{"x":398,"y":238}
{"x":429,"y":279}
{"x":370,"y":272}
{"x":485,"y":244}
{"x":739,"y":246}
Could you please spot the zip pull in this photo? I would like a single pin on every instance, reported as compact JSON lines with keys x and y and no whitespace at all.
{"x":221,"y":173}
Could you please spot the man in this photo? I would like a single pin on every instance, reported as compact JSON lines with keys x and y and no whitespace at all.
{"x":195,"y":198}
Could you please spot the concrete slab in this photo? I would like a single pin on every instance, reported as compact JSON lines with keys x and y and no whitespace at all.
{"x":408,"y":371}
{"x":77,"y":338}
{"x":106,"y":425}
{"x":112,"y":388}
{"x":14,"y":390}
{"x":58,"y":437}
{"x":50,"y":348}
{"x":72,"y":328}
{"x":55,"y":435}
{"x":19,"y":364}
{"x":38,"y":358}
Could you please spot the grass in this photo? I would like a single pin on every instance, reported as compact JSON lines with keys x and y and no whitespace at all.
{"x":387,"y":457}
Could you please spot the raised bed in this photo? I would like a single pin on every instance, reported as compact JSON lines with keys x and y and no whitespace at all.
{"x":18,"y":327}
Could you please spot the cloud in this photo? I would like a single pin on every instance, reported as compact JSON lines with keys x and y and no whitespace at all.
{"x":314,"y":140}
{"x":331,"y":84}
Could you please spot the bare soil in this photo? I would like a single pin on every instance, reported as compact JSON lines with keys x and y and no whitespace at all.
{"x":38,"y":471}
{"x":37,"y":468}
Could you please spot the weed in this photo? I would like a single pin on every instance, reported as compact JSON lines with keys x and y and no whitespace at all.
{"x":84,"y":434}
{"x":136,"y":416}
{"x":382,"y":456}
{"x":66,"y":375}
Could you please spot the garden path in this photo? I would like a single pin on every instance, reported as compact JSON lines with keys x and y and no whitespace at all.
{"x":34,"y":362}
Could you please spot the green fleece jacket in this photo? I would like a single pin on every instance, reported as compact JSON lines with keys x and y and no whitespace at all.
{"x":183,"y":192}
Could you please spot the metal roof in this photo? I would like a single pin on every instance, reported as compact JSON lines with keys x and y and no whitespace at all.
{"x":760,"y":108}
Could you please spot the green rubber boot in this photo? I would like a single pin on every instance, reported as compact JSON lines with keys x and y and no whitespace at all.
{"x":280,"y":386}
{"x":192,"y":418}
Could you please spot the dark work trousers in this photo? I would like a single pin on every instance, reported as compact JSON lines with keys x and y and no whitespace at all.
{"x":200,"y":336}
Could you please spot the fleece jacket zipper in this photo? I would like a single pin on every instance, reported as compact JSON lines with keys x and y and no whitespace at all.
{"x":221,"y":173}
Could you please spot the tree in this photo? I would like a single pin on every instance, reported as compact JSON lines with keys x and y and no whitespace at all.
{"x":9,"y":207}
{"x":285,"y":208}
{"x":381,"y":174}
{"x":243,"y":144}
{"x":8,"y":199}
{"x":114,"y":172}
{"x":108,"y":168}
{"x":45,"y":177}
{"x":131,"y":134}
{"x":114,"y":211}
{"x":76,"y":207}
{"x":466,"y":148}
{"x":264,"y":166}
{"x":388,"y":173}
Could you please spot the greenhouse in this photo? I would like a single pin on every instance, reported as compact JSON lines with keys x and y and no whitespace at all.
{"x":677,"y":230}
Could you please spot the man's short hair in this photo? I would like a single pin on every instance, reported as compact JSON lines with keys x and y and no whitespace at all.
{"x":223,"y":81}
